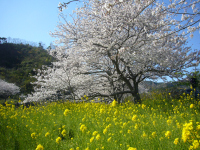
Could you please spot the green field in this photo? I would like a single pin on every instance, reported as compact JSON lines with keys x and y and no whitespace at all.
{"x":160,"y":122}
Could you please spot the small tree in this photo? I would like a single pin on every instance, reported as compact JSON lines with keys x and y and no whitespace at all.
{"x":8,"y":89}
{"x":192,"y":79}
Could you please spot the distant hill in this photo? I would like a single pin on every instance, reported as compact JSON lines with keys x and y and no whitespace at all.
{"x":17,"y":62}
{"x":150,"y":85}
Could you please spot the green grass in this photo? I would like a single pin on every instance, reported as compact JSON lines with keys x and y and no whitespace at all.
{"x":154,"y":124}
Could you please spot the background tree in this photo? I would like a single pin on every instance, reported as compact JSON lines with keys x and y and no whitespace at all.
{"x":8,"y":89}
{"x":191,"y":78}
{"x":3,"y":40}
{"x":194,"y":78}
{"x":112,"y":46}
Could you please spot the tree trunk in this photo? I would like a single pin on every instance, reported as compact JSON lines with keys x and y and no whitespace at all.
{"x":135,"y":94}
{"x":137,"y":99}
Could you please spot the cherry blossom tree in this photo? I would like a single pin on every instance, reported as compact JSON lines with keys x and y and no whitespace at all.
{"x":8,"y":89}
{"x":113,"y":45}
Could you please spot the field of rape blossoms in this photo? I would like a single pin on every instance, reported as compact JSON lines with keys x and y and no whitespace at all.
{"x":158,"y":123}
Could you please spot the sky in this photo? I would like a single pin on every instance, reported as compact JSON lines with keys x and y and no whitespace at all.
{"x":32,"y":20}
{"x":29,"y":20}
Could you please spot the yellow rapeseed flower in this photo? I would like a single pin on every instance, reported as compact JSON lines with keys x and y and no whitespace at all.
{"x":169,"y":121}
{"x":176,"y":141}
{"x":178,"y":125}
{"x":131,"y":148}
{"x":107,"y":119}
{"x":114,"y":103}
{"x":66,"y":112}
{"x":134,"y":117}
{"x":167,"y":134}
{"x":33,"y":135}
{"x":8,"y":105}
{"x":105,"y":131}
{"x":192,"y":106}
{"x":116,"y":113}
{"x":109,"y":139}
{"x":47,"y":134}
{"x":39,"y":147}
{"x":101,"y":110}
{"x":64,"y":132}
{"x":58,"y":140}
{"x":198,"y":127}
{"x":187,"y":127}
{"x":129,"y":131}
{"x":195,"y":144}
{"x":98,"y":137}
{"x":92,"y":138}
{"x":153,"y":134}
{"x":143,"y":106}
{"x":136,"y":126}
{"x":94,"y":133}
{"x":83,"y":128}
{"x":154,"y":123}
{"x":185,"y":135}
{"x":144,"y":134}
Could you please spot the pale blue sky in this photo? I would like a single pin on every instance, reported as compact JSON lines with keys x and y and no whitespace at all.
{"x":32,"y":20}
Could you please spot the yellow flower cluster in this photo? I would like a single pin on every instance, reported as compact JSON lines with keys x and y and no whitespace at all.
{"x":47,"y":134}
{"x":134,"y":117}
{"x":186,"y":132}
{"x":58,"y":140}
{"x":94,"y":133}
{"x":39,"y":147}
{"x":131,"y":148}
{"x":168,"y":134}
{"x":195,"y":144}
{"x":114,"y":103}
{"x":176,"y":141}
{"x":33,"y":135}
{"x":64,"y":133}
{"x":153,"y":134}
{"x":191,"y":106}
{"x":98,"y":137}
{"x":66,"y":112}
{"x":83,"y":128}
{"x":92,"y":138}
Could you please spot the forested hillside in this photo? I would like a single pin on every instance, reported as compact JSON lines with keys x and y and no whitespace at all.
{"x":17,"y":62}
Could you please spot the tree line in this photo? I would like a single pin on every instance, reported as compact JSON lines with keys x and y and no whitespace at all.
{"x":18,"y":62}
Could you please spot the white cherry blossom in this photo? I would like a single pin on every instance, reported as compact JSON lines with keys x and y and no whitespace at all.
{"x":112,"y":46}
